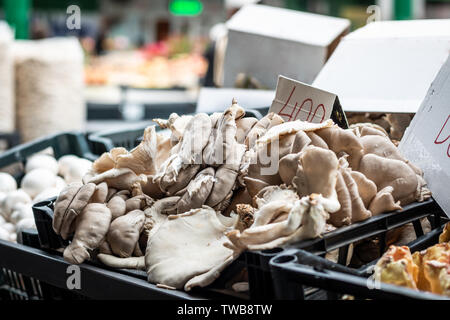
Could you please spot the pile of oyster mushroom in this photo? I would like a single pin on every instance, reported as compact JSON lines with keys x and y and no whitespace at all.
{"x":184,"y":206}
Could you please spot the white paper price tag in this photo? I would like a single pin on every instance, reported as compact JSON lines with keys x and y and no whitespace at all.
{"x":295,"y":100}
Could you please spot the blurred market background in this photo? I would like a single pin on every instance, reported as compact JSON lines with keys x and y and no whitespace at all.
{"x":132,"y":60}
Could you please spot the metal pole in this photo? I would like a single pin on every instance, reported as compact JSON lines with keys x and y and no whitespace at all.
{"x":16,"y":14}
{"x":403,"y":9}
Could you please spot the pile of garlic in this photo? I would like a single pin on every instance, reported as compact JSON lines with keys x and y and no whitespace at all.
{"x":44,"y":178}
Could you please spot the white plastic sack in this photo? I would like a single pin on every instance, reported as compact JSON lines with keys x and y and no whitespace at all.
{"x":49,"y":86}
{"x":6,"y":79}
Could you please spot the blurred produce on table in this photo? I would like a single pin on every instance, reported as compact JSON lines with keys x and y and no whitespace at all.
{"x":176,"y":62}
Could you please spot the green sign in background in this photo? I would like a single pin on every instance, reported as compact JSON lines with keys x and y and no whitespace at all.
{"x":185,"y":7}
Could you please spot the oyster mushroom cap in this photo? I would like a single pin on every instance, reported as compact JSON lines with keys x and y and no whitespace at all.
{"x":177,"y":124}
{"x":277,"y":143}
{"x":69,"y":205}
{"x":111,"y":193}
{"x":438,"y":274}
{"x":151,"y":188}
{"x":384,"y":202}
{"x":123,"y":234}
{"x":63,"y":201}
{"x":157,"y":214}
{"x":390,"y":172}
{"x":261,"y":127}
{"x":164,"y":146}
{"x":120,"y":179}
{"x":271,"y":211}
{"x":317,"y":173}
{"x":291,"y":127}
{"x":275,"y":193}
{"x":197,"y":238}
{"x":287,"y":168}
{"x":176,"y":172}
{"x":306,"y":219}
{"x":138,"y":202}
{"x":91,"y":228}
{"x":366,"y":188}
{"x":368,"y":128}
{"x":143,"y":158}
{"x":176,"y":180}
{"x":264,"y":157}
{"x":100,"y":193}
{"x":195,"y":139}
{"x":344,"y":215}
{"x":254,"y":185}
{"x":137,"y":263}
{"x":224,"y":182}
{"x":359,"y":211}
{"x":118,"y":206}
{"x":263,"y":164}
{"x":316,"y":140}
{"x":222,"y":144}
{"x":343,"y":141}
{"x":301,"y":141}
{"x":382,"y":146}
{"x":244,"y":125}
{"x":108,"y":160}
{"x":197,"y":191}
{"x":262,"y":232}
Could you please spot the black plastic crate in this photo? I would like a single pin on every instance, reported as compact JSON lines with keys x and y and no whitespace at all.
{"x":342,"y":237}
{"x":259,"y":273}
{"x":104,"y":141}
{"x":52,"y":243}
{"x":14,"y":285}
{"x":36,"y":274}
{"x":9,"y":140}
{"x":295,"y":269}
{"x":14,"y":159}
{"x":258,"y":262}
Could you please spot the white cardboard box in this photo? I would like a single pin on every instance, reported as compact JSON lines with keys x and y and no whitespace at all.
{"x":426,"y":142}
{"x":265,"y":42}
{"x":386,"y":66}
